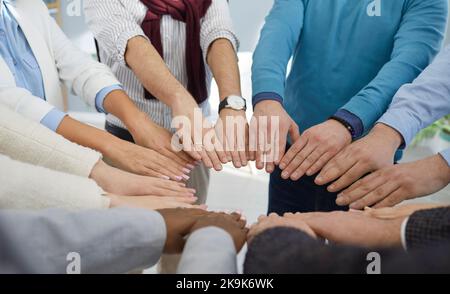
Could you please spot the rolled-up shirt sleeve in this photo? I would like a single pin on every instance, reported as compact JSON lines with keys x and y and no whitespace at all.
{"x":217,"y":24}
{"x":113,"y":25}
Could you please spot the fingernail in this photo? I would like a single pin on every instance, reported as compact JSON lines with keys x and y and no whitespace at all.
{"x":285,"y":175}
{"x":186,"y":177}
{"x":331,"y":188}
{"x":186,"y":171}
{"x":165,"y":177}
{"x":340,"y":201}
{"x":190,"y":166}
{"x":178,"y":178}
{"x":198,"y":162}
{"x":282,"y":166}
{"x":294,"y":176}
{"x":309,"y":173}
{"x":319,"y":179}
{"x":193,"y":190}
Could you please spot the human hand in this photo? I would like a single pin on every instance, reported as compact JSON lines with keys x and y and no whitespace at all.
{"x":314,"y":149}
{"x":179,"y":223}
{"x":271,"y":149}
{"x":399,"y":211}
{"x":233,"y":224}
{"x":353,"y":228}
{"x":144,"y":161}
{"x":150,"y":135}
{"x":273,"y":221}
{"x":373,"y":152}
{"x":392,"y":185}
{"x":233,"y":128}
{"x":202,"y":142}
{"x":153,"y":202}
{"x":120,"y":182}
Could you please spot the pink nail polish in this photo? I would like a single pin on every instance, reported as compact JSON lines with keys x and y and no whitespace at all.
{"x":178,"y":178}
{"x":186,"y":177}
{"x":165,"y":177}
{"x":186,"y":171}
{"x":190,"y":166}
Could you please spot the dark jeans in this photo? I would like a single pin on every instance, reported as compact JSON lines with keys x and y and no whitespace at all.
{"x":119,"y":132}
{"x":299,"y":196}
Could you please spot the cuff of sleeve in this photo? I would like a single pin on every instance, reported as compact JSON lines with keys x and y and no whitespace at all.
{"x":202,"y":255}
{"x":266,"y":96}
{"x":352,"y":120}
{"x":122,"y":43}
{"x":219,"y":34}
{"x":395,"y":122}
{"x":53,"y":119}
{"x":403,"y":233}
{"x":446,"y":155}
{"x":100,"y":98}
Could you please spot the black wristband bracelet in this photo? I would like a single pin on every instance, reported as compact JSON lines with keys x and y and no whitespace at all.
{"x":346,"y":125}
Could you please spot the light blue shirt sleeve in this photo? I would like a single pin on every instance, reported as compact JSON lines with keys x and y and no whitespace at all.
{"x":53,"y":119}
{"x":100,"y":97}
{"x":276,"y":46}
{"x":427,"y":99}
{"x":446,"y":155}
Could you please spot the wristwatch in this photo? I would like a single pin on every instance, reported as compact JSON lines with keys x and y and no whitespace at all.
{"x":233,"y":102}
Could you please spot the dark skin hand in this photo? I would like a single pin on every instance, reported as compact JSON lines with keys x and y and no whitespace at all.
{"x":179,"y":223}
{"x":233,"y":224}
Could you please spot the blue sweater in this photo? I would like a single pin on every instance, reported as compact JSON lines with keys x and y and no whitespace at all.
{"x":349,"y":56}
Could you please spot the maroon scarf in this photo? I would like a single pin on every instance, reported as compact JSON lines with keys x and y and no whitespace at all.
{"x":190,"y":12}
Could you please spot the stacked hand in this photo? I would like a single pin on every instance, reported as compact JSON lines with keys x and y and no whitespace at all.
{"x":183,"y":222}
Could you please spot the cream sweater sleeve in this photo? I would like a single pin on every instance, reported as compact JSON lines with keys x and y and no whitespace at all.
{"x":27,"y":141}
{"x":25,"y":186}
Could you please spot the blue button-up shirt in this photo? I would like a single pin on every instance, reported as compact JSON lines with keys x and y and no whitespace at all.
{"x":18,"y":55}
{"x":418,"y":105}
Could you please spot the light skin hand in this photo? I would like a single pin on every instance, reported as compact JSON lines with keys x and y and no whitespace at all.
{"x":314,"y":149}
{"x":399,"y":211}
{"x":153,"y":73}
{"x":119,"y":182}
{"x":153,"y":202}
{"x":353,"y":228}
{"x":263,"y":113}
{"x":144,"y":131}
{"x":275,"y":221}
{"x":390,"y":186}
{"x":373,"y":152}
{"x":236,"y":136}
{"x":122,"y":154}
{"x":223,"y":62}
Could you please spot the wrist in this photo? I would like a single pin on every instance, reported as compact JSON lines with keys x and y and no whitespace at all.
{"x":342,"y":129}
{"x":268,"y":104}
{"x":442,"y":169}
{"x":388,"y":135}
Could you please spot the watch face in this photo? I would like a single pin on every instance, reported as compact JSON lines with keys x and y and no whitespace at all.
{"x":236,"y":102}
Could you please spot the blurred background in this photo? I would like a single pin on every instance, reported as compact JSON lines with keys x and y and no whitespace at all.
{"x":244,"y":189}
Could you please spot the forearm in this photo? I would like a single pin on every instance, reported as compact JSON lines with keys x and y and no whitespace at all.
{"x":223,"y":62}
{"x":153,"y":73}
{"x":120,"y":105}
{"x":88,"y":136}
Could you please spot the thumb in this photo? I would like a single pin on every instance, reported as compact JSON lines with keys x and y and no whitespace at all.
{"x":294,"y":131}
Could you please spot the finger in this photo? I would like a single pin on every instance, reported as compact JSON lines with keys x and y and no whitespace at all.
{"x":206,"y":160}
{"x":319,"y":164}
{"x":261,"y":218}
{"x":220,"y":151}
{"x":298,"y":160}
{"x":292,"y":152}
{"x":375,"y":196}
{"x":213,"y":156}
{"x":334,"y":169}
{"x":348,"y":178}
{"x":261,"y":143}
{"x":393,"y":199}
{"x":363,"y":187}
{"x":307,"y":163}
